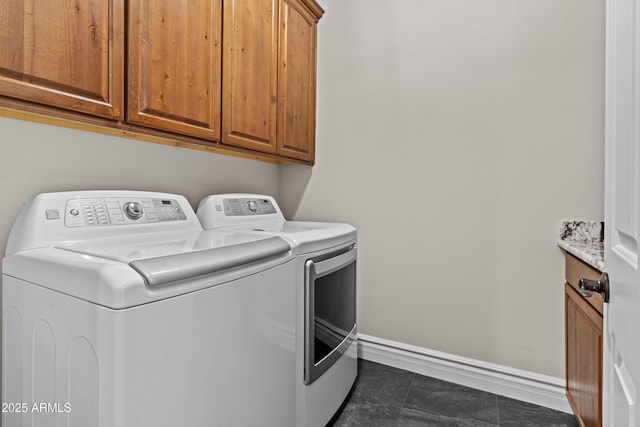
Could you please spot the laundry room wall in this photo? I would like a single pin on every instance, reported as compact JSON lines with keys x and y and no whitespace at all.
{"x":456,"y":135}
{"x":36,"y":158}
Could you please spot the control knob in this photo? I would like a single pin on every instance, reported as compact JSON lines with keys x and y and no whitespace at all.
{"x":252,"y":205}
{"x":133,"y":210}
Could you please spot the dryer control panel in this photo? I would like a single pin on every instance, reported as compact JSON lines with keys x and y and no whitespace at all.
{"x":248,"y":206}
{"x":238,"y":209}
{"x":117,"y":211}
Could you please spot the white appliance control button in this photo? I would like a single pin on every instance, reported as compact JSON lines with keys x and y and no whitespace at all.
{"x":52,"y":214}
{"x":251,"y":204}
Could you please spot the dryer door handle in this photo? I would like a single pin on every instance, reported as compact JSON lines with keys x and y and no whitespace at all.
{"x":329,"y":265}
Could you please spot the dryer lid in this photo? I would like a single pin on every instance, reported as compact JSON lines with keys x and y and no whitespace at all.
{"x":255,"y":213}
{"x":305,"y":236}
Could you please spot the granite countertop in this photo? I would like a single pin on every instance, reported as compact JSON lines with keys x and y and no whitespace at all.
{"x":585,"y":240}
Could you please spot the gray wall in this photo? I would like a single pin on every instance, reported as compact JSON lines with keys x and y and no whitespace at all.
{"x":456,"y":135}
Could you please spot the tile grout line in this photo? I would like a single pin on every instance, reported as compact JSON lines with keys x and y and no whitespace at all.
{"x":413,"y":377}
{"x":497,"y":410}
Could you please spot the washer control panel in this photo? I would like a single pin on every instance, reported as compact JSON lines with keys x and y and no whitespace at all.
{"x":247,"y":206}
{"x":100,"y":212}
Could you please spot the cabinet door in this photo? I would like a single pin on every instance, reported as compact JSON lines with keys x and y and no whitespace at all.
{"x":174,"y":66}
{"x":250,"y":74}
{"x":584,"y":358}
{"x":64,"y":53}
{"x":297,"y":79}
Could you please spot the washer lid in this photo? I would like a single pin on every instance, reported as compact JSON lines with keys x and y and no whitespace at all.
{"x":122,"y":273}
{"x":164,"y":269}
{"x":174,"y":257}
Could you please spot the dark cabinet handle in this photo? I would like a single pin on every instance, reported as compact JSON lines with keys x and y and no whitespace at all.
{"x":601,"y":286}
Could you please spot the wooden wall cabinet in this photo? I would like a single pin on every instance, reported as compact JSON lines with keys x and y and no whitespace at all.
{"x":250,"y":74}
{"x":297,"y":79}
{"x":174,"y":66}
{"x":269,"y":76}
{"x":583,"y":326}
{"x":256,"y":93}
{"x":66,"y":54}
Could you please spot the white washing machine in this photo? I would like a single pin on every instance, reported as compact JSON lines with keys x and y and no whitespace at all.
{"x":326,"y":255}
{"x":120,"y":311}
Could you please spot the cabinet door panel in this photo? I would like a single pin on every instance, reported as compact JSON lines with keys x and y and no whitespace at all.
{"x":584,"y":358}
{"x":250,"y":74}
{"x":297,"y":82}
{"x":64,"y":53}
{"x":174,"y":65}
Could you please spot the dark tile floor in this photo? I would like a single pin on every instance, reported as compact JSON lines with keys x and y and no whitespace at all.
{"x":386,"y":396}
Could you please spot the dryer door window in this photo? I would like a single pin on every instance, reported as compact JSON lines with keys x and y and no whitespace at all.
{"x":330,"y":320}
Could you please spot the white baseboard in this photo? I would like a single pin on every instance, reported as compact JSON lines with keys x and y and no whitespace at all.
{"x":517,"y":384}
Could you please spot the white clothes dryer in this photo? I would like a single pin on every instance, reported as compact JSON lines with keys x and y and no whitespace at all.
{"x":120,"y":311}
{"x":326,"y":255}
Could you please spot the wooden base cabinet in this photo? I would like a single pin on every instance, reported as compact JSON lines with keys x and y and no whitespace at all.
{"x":583,"y":326}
